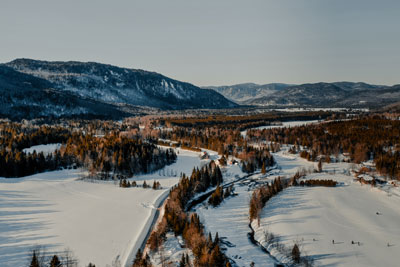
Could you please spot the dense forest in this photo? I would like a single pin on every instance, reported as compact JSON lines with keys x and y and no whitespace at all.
{"x":104,"y":156}
{"x":242,"y":122}
{"x":362,"y":139}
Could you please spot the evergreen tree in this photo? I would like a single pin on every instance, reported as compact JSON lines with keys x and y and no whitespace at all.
{"x":55,"y":262}
{"x":216,"y":240}
{"x":34,"y":261}
{"x":263,"y":170}
{"x":296,"y":254}
{"x":182,"y":263}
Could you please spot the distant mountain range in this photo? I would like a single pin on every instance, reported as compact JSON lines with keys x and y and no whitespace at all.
{"x":337,"y":94}
{"x":33,"y":88}
{"x":240,"y":93}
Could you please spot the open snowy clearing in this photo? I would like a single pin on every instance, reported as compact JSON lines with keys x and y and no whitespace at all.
{"x":319,"y":109}
{"x":97,"y":221}
{"x":284,"y":124}
{"x":100,"y":222}
{"x":46,"y":149}
{"x":317,"y":215}
{"x":169,"y":175}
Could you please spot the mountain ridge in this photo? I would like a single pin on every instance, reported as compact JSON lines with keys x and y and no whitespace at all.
{"x":109,"y":86}
{"x":321,"y":94}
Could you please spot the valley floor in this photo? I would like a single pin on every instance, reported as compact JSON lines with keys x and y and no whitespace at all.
{"x":103,"y":223}
{"x":98,"y":221}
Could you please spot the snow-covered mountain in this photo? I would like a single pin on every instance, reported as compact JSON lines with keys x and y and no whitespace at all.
{"x":102,"y":84}
{"x":26,"y":96}
{"x":337,"y":94}
{"x":240,"y":93}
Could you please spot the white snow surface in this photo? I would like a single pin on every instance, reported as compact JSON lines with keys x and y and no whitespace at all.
{"x":345,"y":213}
{"x":231,"y":218}
{"x":231,"y":221}
{"x":46,"y":149}
{"x":99,"y":221}
{"x":284,"y":124}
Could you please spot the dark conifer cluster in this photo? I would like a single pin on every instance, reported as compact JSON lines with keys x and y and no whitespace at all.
{"x":255,"y":159}
{"x":141,"y":260}
{"x":113,"y":154}
{"x":14,"y":137}
{"x":317,"y":182}
{"x":219,"y":195}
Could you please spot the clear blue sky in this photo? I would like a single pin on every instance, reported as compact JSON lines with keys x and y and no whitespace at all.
{"x":213,"y":42}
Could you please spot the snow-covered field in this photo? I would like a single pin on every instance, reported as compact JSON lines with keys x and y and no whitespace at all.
{"x":284,"y":124}
{"x":319,"y":109}
{"x":170,"y":175}
{"x":46,"y":149}
{"x":317,"y":215}
{"x":99,"y":222}
{"x":231,"y":221}
{"x":313,"y":217}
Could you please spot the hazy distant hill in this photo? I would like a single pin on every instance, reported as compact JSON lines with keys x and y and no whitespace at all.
{"x":240,"y":93}
{"x":337,"y":94}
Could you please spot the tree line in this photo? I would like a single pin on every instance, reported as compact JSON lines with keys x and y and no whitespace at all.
{"x":370,"y":137}
{"x":206,"y":250}
{"x":104,"y":157}
{"x":241,"y":122}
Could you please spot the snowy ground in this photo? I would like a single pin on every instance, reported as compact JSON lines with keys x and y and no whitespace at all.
{"x":319,"y":109}
{"x":343,"y":214}
{"x":170,"y":175}
{"x":284,"y":124}
{"x":304,"y":214}
{"x":231,"y":218}
{"x":99,"y":222}
{"x":231,"y":221}
{"x":171,"y":252}
{"x":46,"y":149}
